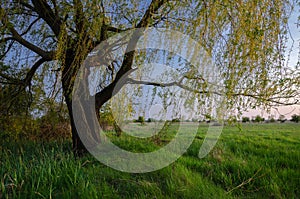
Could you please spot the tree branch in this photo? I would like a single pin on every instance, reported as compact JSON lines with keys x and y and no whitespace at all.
{"x":133,"y":81}
{"x":46,"y":13}
{"x":104,"y":95}
{"x":6,"y":39}
{"x":7,"y":50}
{"x":31,"y":72}
{"x":175,"y":83}
{"x":30,"y":26}
{"x":179,"y":84}
{"x":26,"y":5}
{"x":116,"y":30}
{"x":17,"y":37}
{"x":10,"y":80}
{"x":153,"y":8}
{"x":55,"y":7}
{"x":28,"y":78}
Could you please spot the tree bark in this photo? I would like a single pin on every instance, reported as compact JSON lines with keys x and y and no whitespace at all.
{"x":78,"y":147}
{"x":83,"y":117}
{"x":83,"y":108}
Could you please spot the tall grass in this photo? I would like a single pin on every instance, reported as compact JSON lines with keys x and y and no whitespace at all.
{"x":261,"y":161}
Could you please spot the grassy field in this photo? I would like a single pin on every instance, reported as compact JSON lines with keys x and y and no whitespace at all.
{"x":258,"y":161}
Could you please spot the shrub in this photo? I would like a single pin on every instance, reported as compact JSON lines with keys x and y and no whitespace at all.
{"x":53,"y":126}
{"x":57,"y":131}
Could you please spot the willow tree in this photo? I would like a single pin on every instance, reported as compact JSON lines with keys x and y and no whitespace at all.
{"x":247,"y":40}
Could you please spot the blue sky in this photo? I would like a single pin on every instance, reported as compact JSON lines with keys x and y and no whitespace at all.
{"x":294,"y":41}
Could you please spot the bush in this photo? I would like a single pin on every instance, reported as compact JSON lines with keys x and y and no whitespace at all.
{"x":53,"y":126}
{"x":58,"y":131}
{"x":17,"y":128}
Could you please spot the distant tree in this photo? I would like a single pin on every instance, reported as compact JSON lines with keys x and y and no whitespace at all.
{"x":281,"y":118}
{"x":141,"y":120}
{"x":245,"y":119}
{"x":176,"y":120}
{"x":150,"y":120}
{"x":232,"y":119}
{"x":295,"y":118}
{"x":195,"y":120}
{"x":258,"y":119}
{"x":208,"y":118}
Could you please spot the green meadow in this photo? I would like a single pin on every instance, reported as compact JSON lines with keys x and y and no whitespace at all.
{"x":248,"y":161}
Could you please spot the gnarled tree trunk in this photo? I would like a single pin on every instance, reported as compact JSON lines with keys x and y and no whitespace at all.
{"x":78,"y":147}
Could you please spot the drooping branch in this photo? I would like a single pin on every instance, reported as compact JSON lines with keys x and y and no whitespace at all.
{"x":79,"y":16}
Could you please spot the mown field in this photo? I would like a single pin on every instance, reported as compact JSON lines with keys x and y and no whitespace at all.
{"x":256,"y":161}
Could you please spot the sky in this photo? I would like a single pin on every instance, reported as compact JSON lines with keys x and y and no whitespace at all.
{"x":295,"y":36}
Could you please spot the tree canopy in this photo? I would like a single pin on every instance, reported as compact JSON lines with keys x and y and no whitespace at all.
{"x":247,"y":40}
